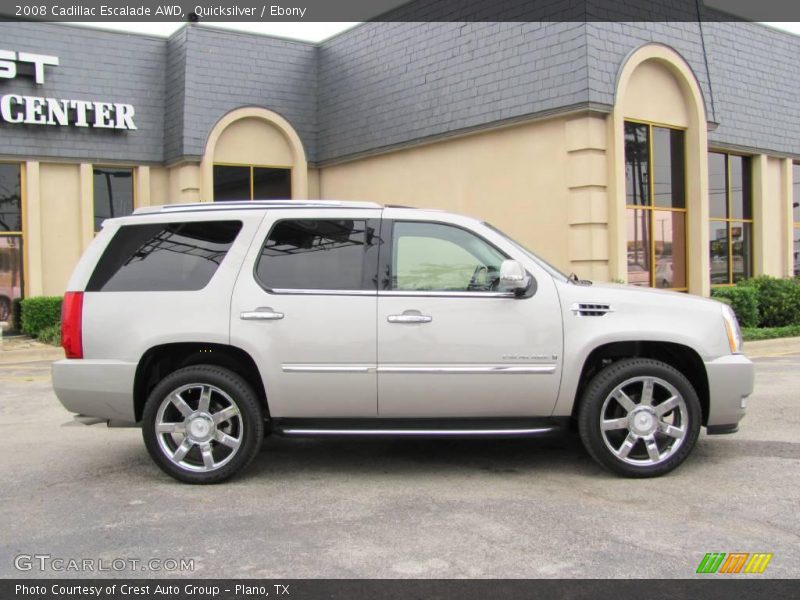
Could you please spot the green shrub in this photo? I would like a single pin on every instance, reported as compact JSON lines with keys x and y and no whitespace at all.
{"x":769,"y":333}
{"x":743,"y":300}
{"x":40,"y":312}
{"x":50,"y":334}
{"x":778,"y":300}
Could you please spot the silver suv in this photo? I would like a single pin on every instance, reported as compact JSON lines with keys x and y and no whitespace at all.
{"x":211,"y":325}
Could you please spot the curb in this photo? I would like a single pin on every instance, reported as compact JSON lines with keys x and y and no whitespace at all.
{"x":26,"y":355}
{"x":776,"y":347}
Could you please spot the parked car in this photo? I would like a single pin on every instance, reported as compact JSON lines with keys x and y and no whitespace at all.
{"x":211,"y":325}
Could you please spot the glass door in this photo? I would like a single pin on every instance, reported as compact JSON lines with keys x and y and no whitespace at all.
{"x":11,"y":263}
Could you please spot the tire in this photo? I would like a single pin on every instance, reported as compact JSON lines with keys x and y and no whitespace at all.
{"x":637,"y":438}
{"x":202,"y":424}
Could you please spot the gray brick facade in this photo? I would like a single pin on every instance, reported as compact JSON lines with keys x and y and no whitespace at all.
{"x":387,"y":84}
{"x":94,"y":65}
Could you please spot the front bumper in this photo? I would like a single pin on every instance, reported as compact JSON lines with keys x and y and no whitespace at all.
{"x":730,"y":382}
{"x":96,"y":388}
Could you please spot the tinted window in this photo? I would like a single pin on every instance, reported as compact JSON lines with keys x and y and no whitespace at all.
{"x":434,"y":257}
{"x":320,"y":254}
{"x":163,"y":257}
{"x":10,"y":204}
{"x":231,"y":183}
{"x":669,"y":180}
{"x":637,"y":164}
{"x":113,"y":194}
{"x":717,"y":186}
{"x":271,"y":184}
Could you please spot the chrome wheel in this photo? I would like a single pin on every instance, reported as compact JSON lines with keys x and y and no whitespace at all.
{"x":644,"y":421}
{"x":199,"y":427}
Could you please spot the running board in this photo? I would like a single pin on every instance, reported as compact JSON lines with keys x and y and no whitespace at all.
{"x":422,"y":428}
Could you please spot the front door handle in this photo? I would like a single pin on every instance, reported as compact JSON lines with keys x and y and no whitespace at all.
{"x":406,"y":318}
{"x":263,"y":313}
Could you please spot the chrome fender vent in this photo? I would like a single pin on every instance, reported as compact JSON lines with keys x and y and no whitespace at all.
{"x":586,"y":309}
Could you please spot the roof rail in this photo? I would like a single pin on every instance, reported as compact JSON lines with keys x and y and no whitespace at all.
{"x":251,"y":205}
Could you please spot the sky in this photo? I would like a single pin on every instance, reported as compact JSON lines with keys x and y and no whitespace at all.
{"x":309,"y":32}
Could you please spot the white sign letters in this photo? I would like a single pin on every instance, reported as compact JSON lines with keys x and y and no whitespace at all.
{"x":37,"y":110}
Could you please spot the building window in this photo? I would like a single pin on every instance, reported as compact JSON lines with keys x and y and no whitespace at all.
{"x":249,"y":182}
{"x":796,"y":218}
{"x":113,"y":193}
{"x":655,"y":196}
{"x":11,"y":264}
{"x":730,"y":197}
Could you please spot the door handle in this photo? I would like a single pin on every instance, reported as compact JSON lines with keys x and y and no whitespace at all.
{"x":409,"y":319}
{"x":264,"y":313}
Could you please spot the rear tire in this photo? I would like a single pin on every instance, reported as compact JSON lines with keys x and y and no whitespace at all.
{"x":202,"y":424}
{"x":639,"y":417}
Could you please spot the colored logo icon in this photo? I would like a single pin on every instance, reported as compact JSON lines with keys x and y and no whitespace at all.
{"x":734,"y":562}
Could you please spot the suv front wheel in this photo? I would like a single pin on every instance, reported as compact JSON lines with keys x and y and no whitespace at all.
{"x":639,"y":417}
{"x":202,"y":424}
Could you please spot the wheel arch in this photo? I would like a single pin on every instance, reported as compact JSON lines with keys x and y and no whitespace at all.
{"x":160,"y":361}
{"x":681,"y":357}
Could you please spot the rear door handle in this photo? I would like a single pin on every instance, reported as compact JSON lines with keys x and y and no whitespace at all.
{"x":409,"y":319}
{"x":264,"y":313}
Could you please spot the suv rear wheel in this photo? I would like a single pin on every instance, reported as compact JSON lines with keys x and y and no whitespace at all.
{"x":202,"y":424}
{"x":639,"y":417}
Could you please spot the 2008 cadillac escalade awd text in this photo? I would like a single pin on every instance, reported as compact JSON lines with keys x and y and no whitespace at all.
{"x":213,"y":324}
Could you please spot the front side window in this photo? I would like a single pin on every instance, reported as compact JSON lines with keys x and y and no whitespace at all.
{"x":442,"y":258}
{"x":11,"y":280}
{"x":655,"y":196}
{"x":163,"y":257}
{"x":249,"y":182}
{"x":113,"y":194}
{"x":796,"y":219}
{"x":731,"y":218}
{"x":320,"y":254}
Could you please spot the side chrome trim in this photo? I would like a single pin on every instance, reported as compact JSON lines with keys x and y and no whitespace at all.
{"x":419,"y":432}
{"x":324,"y":292}
{"x":441,"y":370}
{"x":327,"y":368}
{"x":493,"y":369}
{"x":432,"y":294}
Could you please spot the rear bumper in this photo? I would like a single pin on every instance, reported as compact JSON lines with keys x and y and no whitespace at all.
{"x":96,"y":388}
{"x":730,"y":382}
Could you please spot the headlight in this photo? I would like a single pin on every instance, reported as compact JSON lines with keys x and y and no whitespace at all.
{"x":732,"y":329}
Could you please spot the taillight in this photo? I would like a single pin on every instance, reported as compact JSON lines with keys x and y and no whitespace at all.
{"x":71,"y":324}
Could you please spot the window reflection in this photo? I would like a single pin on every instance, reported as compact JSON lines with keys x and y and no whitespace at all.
{"x":637,"y":165}
{"x":113,"y":194}
{"x":318,"y":254}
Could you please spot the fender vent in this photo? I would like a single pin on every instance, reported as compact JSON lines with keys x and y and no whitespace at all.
{"x":591,"y":310}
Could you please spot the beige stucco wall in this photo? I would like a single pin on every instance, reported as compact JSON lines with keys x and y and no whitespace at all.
{"x":253,"y":141}
{"x":61,"y":246}
{"x":772,"y":208}
{"x":653,"y":94}
{"x":517,"y":178}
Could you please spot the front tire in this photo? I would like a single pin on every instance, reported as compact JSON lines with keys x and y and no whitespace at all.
{"x":639,"y":417}
{"x":202,"y":424}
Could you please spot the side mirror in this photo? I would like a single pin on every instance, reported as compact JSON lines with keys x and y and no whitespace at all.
{"x":514,"y":278}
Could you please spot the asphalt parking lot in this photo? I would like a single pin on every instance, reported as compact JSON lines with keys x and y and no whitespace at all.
{"x":387,"y":509}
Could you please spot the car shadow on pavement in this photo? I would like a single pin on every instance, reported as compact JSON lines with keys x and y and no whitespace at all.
{"x":416,"y":456}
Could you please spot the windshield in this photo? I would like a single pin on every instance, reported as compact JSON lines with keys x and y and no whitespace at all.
{"x":543,"y":263}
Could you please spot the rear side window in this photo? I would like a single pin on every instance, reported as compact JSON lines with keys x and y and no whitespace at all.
{"x":320,"y":254}
{"x":163,"y":257}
